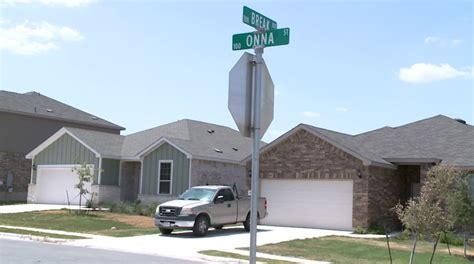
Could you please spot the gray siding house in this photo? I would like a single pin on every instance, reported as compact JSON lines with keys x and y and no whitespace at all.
{"x":27,"y":120}
{"x":157,"y":164}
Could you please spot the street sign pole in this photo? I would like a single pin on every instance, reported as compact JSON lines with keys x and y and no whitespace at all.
{"x":254,"y":81}
{"x":257,"y":94}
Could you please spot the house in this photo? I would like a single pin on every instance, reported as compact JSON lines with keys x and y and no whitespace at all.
{"x":314,"y":177}
{"x":27,"y":120}
{"x":157,"y":164}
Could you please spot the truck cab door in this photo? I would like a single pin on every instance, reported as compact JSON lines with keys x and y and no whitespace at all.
{"x":224,"y":208}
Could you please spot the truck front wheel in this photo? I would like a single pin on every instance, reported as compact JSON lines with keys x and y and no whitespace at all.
{"x":165,"y":231}
{"x":201,"y":226}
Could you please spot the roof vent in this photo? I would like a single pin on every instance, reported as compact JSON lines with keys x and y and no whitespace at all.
{"x":236,"y":149}
{"x":94,"y":118}
{"x":210,"y":131}
{"x":49,"y":110}
{"x":462,"y":121}
{"x":218,"y":150}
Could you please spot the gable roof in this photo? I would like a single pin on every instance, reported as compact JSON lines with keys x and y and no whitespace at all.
{"x":438,"y":137}
{"x":434,"y":139}
{"x":342,"y":141}
{"x":36,"y":104}
{"x":196,"y":139}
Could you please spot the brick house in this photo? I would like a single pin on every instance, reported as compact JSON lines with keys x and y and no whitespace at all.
{"x":313,"y":177}
{"x":27,"y":120}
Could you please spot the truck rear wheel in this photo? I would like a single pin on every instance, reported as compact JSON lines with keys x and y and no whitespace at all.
{"x":165,"y":231}
{"x":247,"y":223}
{"x":201,"y":226}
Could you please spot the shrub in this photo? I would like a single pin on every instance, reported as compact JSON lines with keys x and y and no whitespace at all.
{"x":452,"y":239}
{"x":360,"y":230}
{"x":376,"y":230}
{"x":136,"y":208}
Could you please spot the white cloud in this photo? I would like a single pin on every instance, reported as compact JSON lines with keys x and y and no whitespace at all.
{"x":64,"y":3}
{"x":29,"y":38}
{"x":425,"y":73}
{"x":310,"y":114}
{"x":341,"y":109}
{"x":432,"y":40}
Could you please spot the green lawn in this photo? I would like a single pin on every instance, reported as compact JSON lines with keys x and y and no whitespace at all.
{"x":350,"y":250}
{"x":217,"y":253}
{"x":100,"y":223}
{"x":38,"y":234}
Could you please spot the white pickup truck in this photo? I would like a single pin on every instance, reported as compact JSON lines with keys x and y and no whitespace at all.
{"x":202,"y":207}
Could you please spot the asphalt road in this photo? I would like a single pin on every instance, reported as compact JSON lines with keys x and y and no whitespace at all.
{"x":17,"y":252}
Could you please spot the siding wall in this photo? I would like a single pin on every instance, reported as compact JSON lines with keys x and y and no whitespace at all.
{"x":471,"y":183}
{"x":66,"y":150}
{"x":110,"y":172}
{"x":180,"y":177}
{"x":22,"y":133}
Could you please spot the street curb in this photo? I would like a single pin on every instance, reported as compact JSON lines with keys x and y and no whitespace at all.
{"x":45,"y":239}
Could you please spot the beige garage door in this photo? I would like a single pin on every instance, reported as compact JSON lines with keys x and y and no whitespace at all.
{"x":325,"y":204}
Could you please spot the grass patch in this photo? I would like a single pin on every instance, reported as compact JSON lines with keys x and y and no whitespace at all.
{"x":39,"y":234}
{"x":352,"y":250}
{"x":217,"y":253}
{"x":100,"y":223}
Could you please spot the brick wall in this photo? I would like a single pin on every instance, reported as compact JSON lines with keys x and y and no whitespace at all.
{"x":19,"y":168}
{"x":305,"y":156}
{"x":213,"y":172}
{"x":384,"y":194}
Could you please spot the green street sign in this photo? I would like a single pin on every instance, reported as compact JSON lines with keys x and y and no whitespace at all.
{"x":269,"y":38}
{"x":257,"y":20}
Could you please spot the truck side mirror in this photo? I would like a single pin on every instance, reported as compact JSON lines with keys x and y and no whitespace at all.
{"x":219,"y":199}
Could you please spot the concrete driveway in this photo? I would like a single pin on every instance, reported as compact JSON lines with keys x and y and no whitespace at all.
{"x":184,"y":245}
{"x":21,"y":208}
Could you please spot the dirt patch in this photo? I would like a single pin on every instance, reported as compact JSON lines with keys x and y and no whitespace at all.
{"x":135,"y":220}
{"x":421,"y":247}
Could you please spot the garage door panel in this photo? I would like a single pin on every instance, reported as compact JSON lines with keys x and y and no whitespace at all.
{"x":309,"y":203}
{"x":56,"y":185}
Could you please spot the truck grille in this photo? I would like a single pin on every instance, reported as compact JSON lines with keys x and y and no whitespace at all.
{"x":169,"y":211}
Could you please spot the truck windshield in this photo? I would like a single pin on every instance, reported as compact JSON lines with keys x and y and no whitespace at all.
{"x":198,"y":194}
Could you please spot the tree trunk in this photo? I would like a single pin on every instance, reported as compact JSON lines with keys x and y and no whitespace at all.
{"x":465,"y":244}
{"x":412,"y":255}
{"x":434,"y":248}
{"x":447,"y":243}
{"x":388,"y":245}
{"x":80,"y":199}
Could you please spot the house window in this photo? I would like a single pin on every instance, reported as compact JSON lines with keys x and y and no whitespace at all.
{"x":165,"y":170}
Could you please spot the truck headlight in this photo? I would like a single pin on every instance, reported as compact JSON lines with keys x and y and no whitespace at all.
{"x":186,"y":211}
{"x":157,"y":210}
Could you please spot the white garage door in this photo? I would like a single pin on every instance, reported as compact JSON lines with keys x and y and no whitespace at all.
{"x":55,"y":183}
{"x":325,"y":204}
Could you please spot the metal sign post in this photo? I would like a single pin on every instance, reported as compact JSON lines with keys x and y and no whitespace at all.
{"x":256,"y":100}
{"x":251,"y":96}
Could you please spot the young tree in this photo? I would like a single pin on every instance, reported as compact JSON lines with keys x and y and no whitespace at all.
{"x":85,"y":173}
{"x":443,"y":204}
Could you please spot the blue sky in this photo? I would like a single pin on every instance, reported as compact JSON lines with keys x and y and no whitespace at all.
{"x":351,"y":66}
